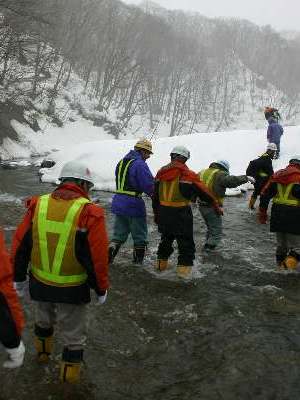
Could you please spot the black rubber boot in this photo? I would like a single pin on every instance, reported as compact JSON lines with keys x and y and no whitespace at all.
{"x":113,"y":250}
{"x":139,"y":254}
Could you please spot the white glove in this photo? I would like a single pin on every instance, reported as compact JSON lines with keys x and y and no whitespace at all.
{"x":21,"y":288}
{"x":251,"y":179}
{"x":102,"y":299}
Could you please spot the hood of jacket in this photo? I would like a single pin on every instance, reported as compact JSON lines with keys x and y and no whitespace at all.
{"x":69,"y":191}
{"x":171,"y":171}
{"x":134,"y":155}
{"x":291,"y":174}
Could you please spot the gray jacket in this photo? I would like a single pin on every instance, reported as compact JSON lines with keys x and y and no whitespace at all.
{"x":222,"y":180}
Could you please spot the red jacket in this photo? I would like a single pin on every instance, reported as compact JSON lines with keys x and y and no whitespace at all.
{"x":195,"y":187}
{"x":7,"y":289}
{"x":92,"y":246}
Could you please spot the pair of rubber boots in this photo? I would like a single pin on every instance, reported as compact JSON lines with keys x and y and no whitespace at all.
{"x":71,"y":359}
{"x":182,"y":271}
{"x":138,"y":253}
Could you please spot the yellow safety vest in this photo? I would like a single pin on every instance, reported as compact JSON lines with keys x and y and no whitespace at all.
{"x":122,"y":178}
{"x":53,"y":259}
{"x":208,"y":177}
{"x":284,"y":195}
{"x":170,"y":195}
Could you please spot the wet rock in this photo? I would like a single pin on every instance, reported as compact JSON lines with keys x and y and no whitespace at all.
{"x":9,"y":165}
{"x":47,"y":164}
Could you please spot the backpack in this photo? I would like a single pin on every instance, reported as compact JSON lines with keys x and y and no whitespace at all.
{"x":252,"y":168}
{"x":272,"y":112}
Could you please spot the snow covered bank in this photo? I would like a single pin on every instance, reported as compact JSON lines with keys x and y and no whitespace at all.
{"x":238,"y":147}
{"x":50,"y":138}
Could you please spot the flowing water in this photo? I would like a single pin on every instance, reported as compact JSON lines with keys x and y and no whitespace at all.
{"x":231,"y":332}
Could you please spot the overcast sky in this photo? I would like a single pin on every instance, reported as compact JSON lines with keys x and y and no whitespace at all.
{"x":281,"y":14}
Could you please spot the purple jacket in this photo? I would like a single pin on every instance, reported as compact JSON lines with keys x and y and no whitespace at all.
{"x":141,"y":179}
{"x":275,"y":131}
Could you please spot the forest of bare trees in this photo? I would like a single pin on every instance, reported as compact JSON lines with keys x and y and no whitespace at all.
{"x":178,"y":68}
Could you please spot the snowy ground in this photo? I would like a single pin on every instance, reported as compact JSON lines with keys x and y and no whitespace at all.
{"x":83,"y":141}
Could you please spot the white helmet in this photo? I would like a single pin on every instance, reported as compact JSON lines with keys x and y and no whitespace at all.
{"x":77,"y":170}
{"x":224,"y":163}
{"x":272,"y":147}
{"x":181,"y":151}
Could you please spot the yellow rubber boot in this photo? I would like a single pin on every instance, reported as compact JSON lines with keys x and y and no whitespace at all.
{"x":162,"y":265}
{"x":44,"y":347}
{"x":70,"y":372}
{"x":290,"y":262}
{"x":183,"y":271}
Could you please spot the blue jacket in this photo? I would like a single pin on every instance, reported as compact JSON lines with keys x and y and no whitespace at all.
{"x":275,"y":131}
{"x":141,"y":179}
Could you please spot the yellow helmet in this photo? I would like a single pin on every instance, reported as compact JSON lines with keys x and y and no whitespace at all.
{"x":144,"y":144}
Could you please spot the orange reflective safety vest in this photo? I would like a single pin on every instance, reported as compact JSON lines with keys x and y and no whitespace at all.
{"x":53,"y":259}
{"x":286,"y":178}
{"x":169,"y":194}
{"x":208,"y":176}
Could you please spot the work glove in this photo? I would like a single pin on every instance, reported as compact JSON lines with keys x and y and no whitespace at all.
{"x":102,"y":298}
{"x":218,"y":209}
{"x":21,"y":288}
{"x":262,"y":216}
{"x":251,"y":179}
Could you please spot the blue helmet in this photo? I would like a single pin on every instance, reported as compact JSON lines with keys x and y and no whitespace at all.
{"x":223,"y":163}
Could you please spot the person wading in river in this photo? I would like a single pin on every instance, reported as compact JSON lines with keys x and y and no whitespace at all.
{"x":175,"y":186}
{"x":217,"y":179}
{"x":63,"y":236}
{"x":11,"y":314}
{"x":261,"y":169}
{"x":133,"y":178}
{"x":284,"y":189}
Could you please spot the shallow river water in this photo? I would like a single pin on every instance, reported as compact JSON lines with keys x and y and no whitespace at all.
{"x":232,"y":332}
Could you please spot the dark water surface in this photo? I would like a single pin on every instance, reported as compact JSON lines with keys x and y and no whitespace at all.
{"x":232,"y":332}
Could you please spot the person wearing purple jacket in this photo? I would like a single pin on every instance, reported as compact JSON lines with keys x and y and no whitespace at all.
{"x":274,"y":133}
{"x":133,"y":178}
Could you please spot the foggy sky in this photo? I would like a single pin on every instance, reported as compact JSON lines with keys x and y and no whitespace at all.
{"x":280,"y":14}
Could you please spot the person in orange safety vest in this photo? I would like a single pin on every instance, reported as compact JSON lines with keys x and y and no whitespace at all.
{"x":175,"y":186}
{"x":284,"y":190}
{"x":63,"y":236}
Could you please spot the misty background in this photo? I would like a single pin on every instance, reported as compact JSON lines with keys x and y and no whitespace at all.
{"x":280,"y":14}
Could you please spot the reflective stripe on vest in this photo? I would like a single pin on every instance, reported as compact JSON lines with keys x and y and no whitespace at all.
{"x":121,"y":179}
{"x":45,"y":271}
{"x":208,"y":177}
{"x":170,"y":196}
{"x":284,"y":195}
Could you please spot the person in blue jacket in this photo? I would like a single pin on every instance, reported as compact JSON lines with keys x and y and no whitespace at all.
{"x":133,"y":178}
{"x":275,"y":130}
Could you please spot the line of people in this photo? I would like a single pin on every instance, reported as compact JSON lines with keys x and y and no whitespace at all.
{"x":172,"y":191}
